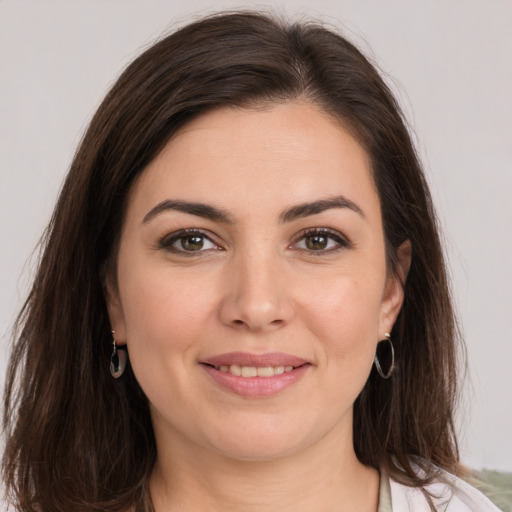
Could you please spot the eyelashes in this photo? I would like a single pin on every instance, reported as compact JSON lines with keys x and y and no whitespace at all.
{"x":189,"y":242}
{"x":320,"y":240}
{"x":195,"y":242}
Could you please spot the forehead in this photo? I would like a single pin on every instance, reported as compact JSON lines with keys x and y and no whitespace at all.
{"x":283,"y":154}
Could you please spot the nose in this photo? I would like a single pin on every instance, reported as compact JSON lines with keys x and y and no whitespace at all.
{"x":256,"y":297}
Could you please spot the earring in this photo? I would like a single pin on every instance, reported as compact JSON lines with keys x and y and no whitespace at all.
{"x":117,"y":360}
{"x":377,"y":362}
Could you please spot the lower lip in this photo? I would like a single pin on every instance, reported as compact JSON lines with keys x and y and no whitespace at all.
{"x":256,"y":387}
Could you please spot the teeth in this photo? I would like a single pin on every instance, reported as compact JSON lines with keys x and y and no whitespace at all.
{"x":235,"y":369}
{"x":254,"y":371}
{"x":249,"y":371}
{"x":265,"y":371}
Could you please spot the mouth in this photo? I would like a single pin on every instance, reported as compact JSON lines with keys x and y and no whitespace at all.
{"x":254,"y":371}
{"x":255,"y":375}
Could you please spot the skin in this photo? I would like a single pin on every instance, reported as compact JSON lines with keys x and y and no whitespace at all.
{"x":256,"y":286}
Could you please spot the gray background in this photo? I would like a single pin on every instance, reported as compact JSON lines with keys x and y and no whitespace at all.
{"x":450,"y":63}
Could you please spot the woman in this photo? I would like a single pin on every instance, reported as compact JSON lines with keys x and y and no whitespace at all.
{"x":242,"y":301}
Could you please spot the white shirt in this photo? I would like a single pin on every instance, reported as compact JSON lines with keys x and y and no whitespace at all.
{"x":447,"y":494}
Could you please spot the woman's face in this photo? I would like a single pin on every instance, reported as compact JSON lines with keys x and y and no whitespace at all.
{"x":253,"y":245}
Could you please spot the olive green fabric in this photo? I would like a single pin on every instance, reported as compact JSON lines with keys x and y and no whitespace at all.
{"x":497,"y":486}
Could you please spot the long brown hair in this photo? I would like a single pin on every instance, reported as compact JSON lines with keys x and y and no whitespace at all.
{"x":76,"y":439}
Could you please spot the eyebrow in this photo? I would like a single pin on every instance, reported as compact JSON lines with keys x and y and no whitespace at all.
{"x":306,"y":209}
{"x":218,"y":215}
{"x":200,"y":209}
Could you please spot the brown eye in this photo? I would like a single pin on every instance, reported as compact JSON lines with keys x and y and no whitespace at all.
{"x":187,"y":242}
{"x":321,"y":241}
{"x":192,"y":242}
{"x":316,"y":242}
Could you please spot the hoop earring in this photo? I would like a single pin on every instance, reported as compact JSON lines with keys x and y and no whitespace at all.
{"x":117,"y":360}
{"x":377,"y":362}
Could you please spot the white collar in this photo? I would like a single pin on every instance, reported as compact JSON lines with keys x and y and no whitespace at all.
{"x":447,"y":494}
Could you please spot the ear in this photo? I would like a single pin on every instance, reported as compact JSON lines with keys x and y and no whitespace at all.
{"x":394,"y":292}
{"x":115,"y":311}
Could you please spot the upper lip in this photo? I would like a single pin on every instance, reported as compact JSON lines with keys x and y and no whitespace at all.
{"x":248,"y":359}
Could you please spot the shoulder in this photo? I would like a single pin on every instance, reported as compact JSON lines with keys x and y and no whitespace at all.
{"x":447,"y":493}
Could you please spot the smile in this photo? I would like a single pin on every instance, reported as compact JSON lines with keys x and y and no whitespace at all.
{"x":255,"y":375}
{"x":254,"y":371}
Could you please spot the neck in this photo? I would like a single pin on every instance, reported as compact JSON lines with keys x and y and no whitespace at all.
{"x":323,"y":478}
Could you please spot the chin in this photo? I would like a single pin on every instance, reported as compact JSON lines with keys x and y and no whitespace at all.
{"x":262,"y":442}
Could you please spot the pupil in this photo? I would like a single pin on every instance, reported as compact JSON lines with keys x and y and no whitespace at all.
{"x":316,"y":242}
{"x":192,"y":242}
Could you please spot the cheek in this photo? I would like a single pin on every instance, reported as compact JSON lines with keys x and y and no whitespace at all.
{"x":165,"y":318}
{"x":157,"y":298}
{"x":343,"y":313}
{"x":165,"y":314}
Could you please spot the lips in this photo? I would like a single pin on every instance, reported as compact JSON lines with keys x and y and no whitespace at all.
{"x":254,"y":371}
{"x":255,"y":375}
{"x":256,"y":360}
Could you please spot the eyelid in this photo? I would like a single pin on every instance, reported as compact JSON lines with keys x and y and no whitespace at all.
{"x":339,"y":238}
{"x":167,"y":241}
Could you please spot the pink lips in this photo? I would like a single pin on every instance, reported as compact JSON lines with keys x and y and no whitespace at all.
{"x":246,"y":359}
{"x":255,"y":386}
